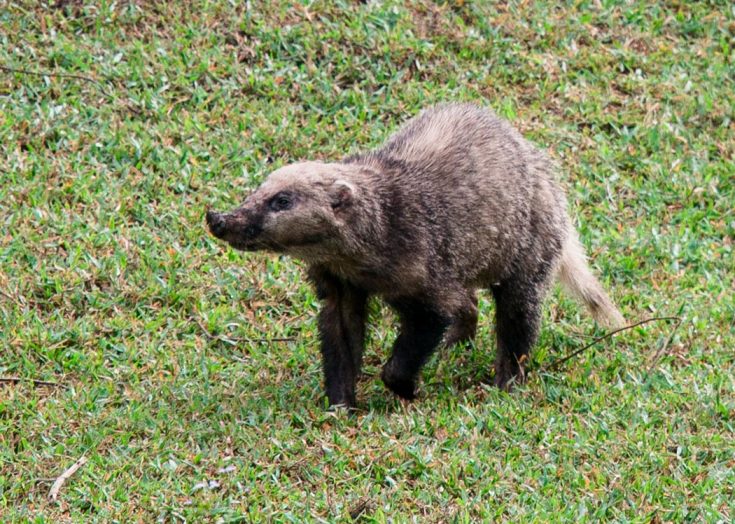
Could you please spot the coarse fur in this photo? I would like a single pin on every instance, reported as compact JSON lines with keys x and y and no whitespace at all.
{"x":457,"y":200}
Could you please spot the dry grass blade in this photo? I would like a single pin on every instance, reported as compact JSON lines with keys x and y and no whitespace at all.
{"x":10,"y":297}
{"x":360,"y":507}
{"x":53,"y":493}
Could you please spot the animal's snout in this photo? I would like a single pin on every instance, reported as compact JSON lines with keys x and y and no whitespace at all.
{"x":239,"y":228}
{"x":216,"y":223}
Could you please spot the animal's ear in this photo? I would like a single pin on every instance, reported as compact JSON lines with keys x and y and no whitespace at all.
{"x":342,"y":194}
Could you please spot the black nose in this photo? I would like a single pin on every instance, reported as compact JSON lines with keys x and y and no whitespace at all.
{"x":216,"y":223}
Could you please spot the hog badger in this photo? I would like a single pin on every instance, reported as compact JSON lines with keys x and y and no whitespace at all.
{"x":455,"y":201}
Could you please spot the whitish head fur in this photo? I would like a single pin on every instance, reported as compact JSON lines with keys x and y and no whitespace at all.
{"x":299,"y":210}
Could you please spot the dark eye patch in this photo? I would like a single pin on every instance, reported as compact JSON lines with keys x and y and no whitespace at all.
{"x":281,"y":202}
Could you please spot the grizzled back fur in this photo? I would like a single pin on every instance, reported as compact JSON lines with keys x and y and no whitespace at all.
{"x":470,"y":198}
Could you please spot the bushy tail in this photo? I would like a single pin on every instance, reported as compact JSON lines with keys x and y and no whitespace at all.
{"x":575,"y":276}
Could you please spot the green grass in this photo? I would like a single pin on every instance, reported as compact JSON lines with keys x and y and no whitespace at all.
{"x":174,"y":388}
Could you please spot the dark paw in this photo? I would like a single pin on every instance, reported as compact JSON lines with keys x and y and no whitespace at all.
{"x":507,"y":377}
{"x":504,"y":383}
{"x":404,"y":387}
{"x":337,"y":401}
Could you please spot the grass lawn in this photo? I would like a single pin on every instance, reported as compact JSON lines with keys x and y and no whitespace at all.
{"x":188,"y":374}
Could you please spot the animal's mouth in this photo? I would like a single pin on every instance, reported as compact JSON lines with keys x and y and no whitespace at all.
{"x":241,"y":245}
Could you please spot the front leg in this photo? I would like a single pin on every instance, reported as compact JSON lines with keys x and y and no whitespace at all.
{"x":342,"y":333}
{"x":422,"y":329}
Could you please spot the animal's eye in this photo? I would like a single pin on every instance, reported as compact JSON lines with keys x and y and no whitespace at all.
{"x":281,"y":202}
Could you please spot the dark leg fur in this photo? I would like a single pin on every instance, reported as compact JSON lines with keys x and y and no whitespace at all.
{"x":518,"y":315}
{"x":342,"y":332}
{"x":422,"y":329}
{"x":464,"y":323}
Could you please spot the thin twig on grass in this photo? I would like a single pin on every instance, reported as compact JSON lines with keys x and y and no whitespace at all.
{"x":57,"y":75}
{"x":556,"y":364}
{"x":212,"y":336}
{"x":18,"y":380}
{"x":53,"y":493}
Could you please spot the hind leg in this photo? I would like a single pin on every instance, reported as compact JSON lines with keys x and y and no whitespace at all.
{"x":518,"y":315}
{"x":464,"y":322}
{"x":422,"y":329}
